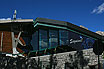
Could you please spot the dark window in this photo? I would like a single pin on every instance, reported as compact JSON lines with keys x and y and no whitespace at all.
{"x":53,"y":38}
{"x":88,"y":43}
{"x":75,"y":40}
{"x":26,"y":36}
{"x":80,"y":42}
{"x":34,"y":41}
{"x":43,"y":40}
{"x":63,"y":37}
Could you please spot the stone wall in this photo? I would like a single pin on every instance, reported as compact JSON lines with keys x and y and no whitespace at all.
{"x":68,"y":60}
{"x":71,"y":60}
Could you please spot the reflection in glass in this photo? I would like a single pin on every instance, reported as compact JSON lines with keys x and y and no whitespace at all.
{"x":43,"y":40}
{"x":53,"y":38}
{"x":63,"y":37}
{"x":88,"y":43}
{"x":80,"y":42}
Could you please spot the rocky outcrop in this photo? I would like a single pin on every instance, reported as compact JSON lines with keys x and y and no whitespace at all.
{"x":100,"y":33}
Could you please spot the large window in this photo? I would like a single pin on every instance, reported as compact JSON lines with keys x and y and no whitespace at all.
{"x":43,"y":40}
{"x":53,"y":38}
{"x":63,"y":37}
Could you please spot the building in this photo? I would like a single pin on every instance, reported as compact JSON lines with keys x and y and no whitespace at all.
{"x":10,"y":35}
{"x":44,"y":36}
{"x":65,"y":45}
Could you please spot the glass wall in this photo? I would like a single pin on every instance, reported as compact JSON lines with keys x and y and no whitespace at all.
{"x":75,"y":40}
{"x":63,"y":37}
{"x":53,"y":38}
{"x":43,"y":39}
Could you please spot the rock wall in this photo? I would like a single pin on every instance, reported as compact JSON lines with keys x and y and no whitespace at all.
{"x":68,"y":60}
{"x":72,"y":60}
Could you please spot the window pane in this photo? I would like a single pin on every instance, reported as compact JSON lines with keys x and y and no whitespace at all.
{"x":34,"y":41}
{"x":80,"y":42}
{"x":43,"y":40}
{"x":53,"y":38}
{"x":63,"y":37}
{"x":87,"y":43}
{"x":26,"y":38}
{"x":75,"y":40}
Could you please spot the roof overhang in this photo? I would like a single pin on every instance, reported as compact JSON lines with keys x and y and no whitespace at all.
{"x":66,"y":25}
{"x":5,"y":25}
{"x":16,"y":21}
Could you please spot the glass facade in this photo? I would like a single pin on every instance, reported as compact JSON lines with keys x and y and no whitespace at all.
{"x":50,"y":38}
{"x":53,"y":38}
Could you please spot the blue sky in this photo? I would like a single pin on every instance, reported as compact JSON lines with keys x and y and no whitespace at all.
{"x":89,"y":13}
